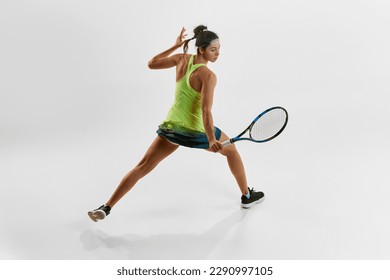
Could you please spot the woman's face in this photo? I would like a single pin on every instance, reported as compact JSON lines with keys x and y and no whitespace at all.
{"x":211,"y":53}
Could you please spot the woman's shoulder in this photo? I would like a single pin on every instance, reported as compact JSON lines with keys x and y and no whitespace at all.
{"x":206,"y":75}
{"x":182,"y":59}
{"x":204,"y":70}
{"x":183,"y":56}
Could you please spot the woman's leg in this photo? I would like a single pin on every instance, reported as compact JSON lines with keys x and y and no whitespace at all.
{"x":235,"y":164}
{"x":158,"y":150}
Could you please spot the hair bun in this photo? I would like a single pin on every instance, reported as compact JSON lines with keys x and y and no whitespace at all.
{"x":203,"y":37}
{"x":199,"y":29}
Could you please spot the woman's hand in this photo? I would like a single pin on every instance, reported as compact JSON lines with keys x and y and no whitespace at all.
{"x":181,"y":39}
{"x":215,"y":146}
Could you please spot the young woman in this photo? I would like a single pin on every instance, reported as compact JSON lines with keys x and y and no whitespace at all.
{"x":190,"y":121}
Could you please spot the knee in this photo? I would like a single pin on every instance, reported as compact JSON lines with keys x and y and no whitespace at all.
{"x":145,"y":166}
{"x":229,"y":151}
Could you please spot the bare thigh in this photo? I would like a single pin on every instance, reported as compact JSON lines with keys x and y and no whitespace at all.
{"x":158,"y":150}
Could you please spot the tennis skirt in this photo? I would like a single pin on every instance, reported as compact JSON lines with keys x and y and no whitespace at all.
{"x":188,"y":139}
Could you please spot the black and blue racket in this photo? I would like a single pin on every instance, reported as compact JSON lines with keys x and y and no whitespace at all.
{"x":264,"y":127}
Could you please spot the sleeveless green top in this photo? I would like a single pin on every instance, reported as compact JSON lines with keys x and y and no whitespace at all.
{"x":186,"y":112}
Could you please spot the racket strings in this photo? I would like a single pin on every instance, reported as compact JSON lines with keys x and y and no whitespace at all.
{"x":268,"y":125}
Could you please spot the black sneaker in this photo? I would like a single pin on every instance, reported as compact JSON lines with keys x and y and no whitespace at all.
{"x":100,"y":213}
{"x":255,"y":197}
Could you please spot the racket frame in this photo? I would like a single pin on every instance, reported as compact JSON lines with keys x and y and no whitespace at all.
{"x":249,"y":128}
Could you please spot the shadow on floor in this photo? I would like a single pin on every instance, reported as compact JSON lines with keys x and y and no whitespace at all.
{"x":163,"y":246}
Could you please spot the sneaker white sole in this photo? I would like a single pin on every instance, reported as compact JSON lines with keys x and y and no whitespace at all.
{"x":249,"y":205}
{"x":97,"y":215}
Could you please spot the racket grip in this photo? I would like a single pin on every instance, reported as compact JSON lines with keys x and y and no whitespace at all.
{"x":226,"y":143}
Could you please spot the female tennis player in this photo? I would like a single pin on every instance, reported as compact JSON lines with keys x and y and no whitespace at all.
{"x":190,"y":121}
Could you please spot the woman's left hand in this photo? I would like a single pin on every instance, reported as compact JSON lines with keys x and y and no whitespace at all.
{"x":215,"y":146}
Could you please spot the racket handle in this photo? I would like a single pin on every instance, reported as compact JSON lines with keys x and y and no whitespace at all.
{"x":226,"y":143}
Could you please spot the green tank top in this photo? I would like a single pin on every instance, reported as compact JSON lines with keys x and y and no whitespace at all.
{"x":186,"y":111}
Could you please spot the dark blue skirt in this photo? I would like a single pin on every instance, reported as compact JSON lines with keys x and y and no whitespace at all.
{"x":193,"y":140}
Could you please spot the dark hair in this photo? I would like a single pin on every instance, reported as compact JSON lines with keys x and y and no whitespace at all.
{"x":203,"y":38}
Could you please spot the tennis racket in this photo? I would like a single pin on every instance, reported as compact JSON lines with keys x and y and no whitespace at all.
{"x":264,"y":127}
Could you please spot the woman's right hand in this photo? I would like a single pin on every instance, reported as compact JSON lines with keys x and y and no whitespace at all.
{"x":181,"y":39}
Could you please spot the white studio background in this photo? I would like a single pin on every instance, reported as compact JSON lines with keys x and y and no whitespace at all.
{"x":79,"y":107}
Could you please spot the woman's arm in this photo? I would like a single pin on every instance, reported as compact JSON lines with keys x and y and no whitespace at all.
{"x":164,"y":60}
{"x":209,"y":81}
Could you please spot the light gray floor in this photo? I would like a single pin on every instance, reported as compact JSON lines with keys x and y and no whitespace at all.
{"x":78,"y":108}
{"x":320,"y":204}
